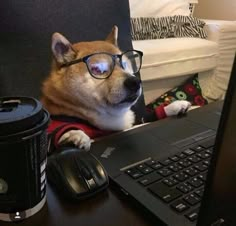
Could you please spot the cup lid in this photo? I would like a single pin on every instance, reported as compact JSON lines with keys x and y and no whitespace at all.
{"x":18,"y":114}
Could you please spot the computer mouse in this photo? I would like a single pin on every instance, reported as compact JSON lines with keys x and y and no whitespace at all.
{"x":76,"y":174}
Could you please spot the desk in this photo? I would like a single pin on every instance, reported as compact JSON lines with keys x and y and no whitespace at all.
{"x":105,"y":209}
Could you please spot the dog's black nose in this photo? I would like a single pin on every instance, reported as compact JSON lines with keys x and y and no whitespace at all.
{"x":132,"y":83}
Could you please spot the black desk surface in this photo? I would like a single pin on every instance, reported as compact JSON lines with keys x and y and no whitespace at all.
{"x":107,"y":208}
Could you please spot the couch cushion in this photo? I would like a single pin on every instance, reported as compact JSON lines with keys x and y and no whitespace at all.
{"x":189,"y":90}
{"x":174,"y":57}
{"x":167,"y":27}
{"x":154,"y":8}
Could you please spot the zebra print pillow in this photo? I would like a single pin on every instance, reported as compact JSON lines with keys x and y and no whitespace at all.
{"x":167,"y":27}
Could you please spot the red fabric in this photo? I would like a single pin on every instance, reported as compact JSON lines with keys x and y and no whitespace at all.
{"x":160,"y":112}
{"x":92,"y":132}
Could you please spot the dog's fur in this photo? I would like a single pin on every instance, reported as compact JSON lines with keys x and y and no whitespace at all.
{"x":105,"y":103}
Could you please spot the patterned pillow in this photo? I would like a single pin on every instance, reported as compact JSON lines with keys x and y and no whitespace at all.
{"x":189,"y":90}
{"x":143,"y":28}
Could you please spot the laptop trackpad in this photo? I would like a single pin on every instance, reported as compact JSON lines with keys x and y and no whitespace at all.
{"x":157,"y":141}
{"x":129,"y":149}
{"x":182,"y":132}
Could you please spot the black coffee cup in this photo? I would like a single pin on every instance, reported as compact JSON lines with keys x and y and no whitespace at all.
{"x":23,"y":157}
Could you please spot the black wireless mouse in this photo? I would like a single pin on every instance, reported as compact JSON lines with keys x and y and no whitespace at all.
{"x":76,"y":174}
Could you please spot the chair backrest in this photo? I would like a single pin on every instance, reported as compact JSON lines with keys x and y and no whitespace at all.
{"x":25,"y":35}
{"x":26,"y":28}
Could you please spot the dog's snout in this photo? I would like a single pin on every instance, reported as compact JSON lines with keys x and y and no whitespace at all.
{"x":132,"y":83}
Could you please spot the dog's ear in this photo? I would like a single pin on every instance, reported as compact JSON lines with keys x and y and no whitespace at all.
{"x":62,"y":49}
{"x":113,"y":36}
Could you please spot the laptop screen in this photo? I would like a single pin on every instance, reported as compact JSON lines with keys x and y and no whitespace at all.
{"x":219,"y":201}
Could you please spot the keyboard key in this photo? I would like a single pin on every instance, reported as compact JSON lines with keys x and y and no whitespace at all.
{"x":193,"y":215}
{"x":150,"y":178}
{"x":164,"y":192}
{"x":150,"y":162}
{"x":181,"y":155}
{"x":195,"y":182}
{"x":206,"y":162}
{"x":166,"y":162}
{"x":146,"y":170}
{"x":199,"y":192}
{"x":189,"y":152}
{"x":170,"y":181}
{"x":191,"y":171}
{"x":174,"y":158}
{"x":185,"y":188}
{"x":209,"y":151}
{"x":203,"y":176}
{"x":134,"y":173}
{"x":185,"y":163}
{"x":141,"y":166}
{"x":165,"y":172}
{"x":175,"y":167}
{"x":201,"y":167}
{"x":192,"y":199}
{"x":181,"y":176}
{"x":203,"y":155}
{"x":179,"y":206}
{"x":198,"y":148}
{"x":157,"y":166}
{"x":194,"y":159}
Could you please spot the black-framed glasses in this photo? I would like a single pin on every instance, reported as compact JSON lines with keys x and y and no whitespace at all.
{"x":101,"y":65}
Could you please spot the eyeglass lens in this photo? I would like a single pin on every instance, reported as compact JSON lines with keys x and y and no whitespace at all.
{"x":100,"y":65}
{"x":131,"y":61}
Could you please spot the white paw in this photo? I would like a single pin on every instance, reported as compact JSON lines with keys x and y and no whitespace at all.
{"x":78,"y":138}
{"x":177,"y":107}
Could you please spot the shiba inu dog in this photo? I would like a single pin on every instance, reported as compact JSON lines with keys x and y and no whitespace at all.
{"x":91,"y":89}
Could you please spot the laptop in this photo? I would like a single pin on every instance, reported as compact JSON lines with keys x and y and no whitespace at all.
{"x":182,"y":171}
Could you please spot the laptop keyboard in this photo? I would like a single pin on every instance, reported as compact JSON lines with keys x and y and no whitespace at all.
{"x":178,"y":180}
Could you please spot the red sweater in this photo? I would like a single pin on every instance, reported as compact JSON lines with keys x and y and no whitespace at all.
{"x":61,"y":124}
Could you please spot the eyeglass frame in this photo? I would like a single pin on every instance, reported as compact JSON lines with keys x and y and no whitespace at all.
{"x":113,"y":56}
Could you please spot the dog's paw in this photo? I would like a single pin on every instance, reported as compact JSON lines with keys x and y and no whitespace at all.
{"x":78,"y":138}
{"x":177,"y":107}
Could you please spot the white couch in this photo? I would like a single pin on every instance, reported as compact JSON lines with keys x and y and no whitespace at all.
{"x":168,"y":62}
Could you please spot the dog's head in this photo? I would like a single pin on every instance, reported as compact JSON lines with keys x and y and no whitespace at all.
{"x":95,"y":75}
